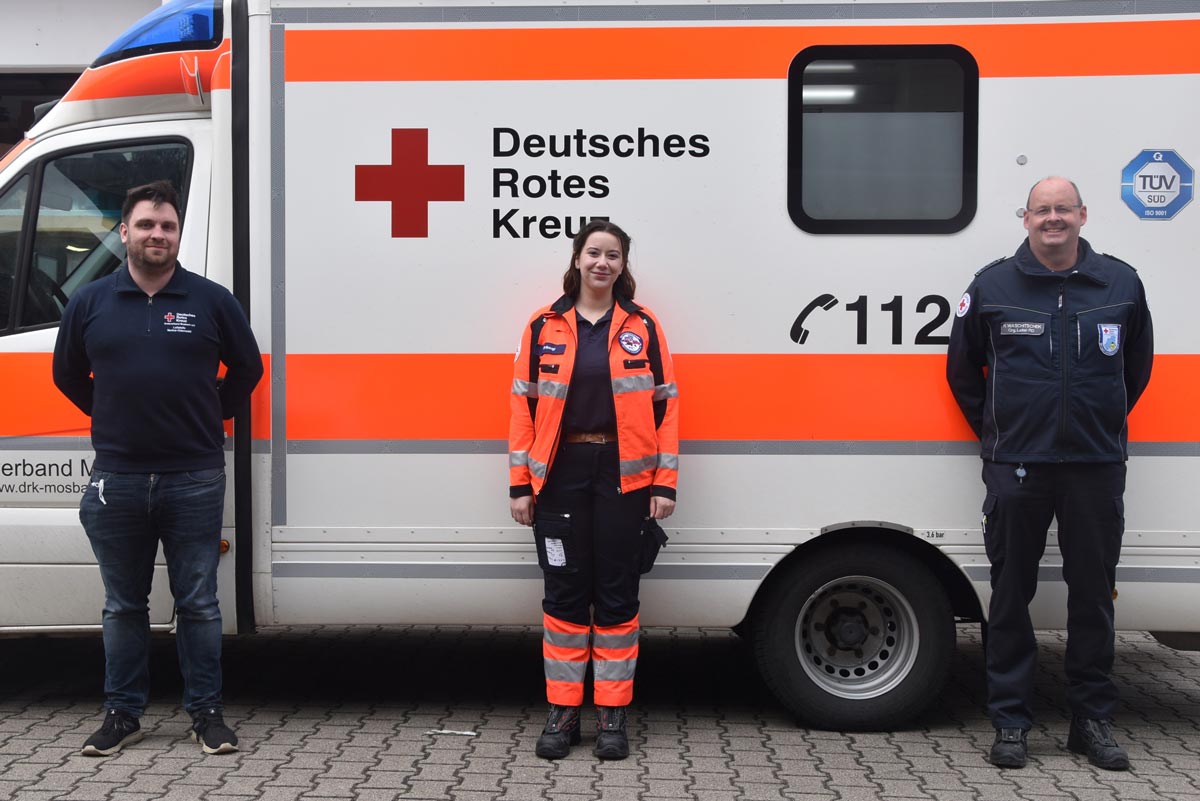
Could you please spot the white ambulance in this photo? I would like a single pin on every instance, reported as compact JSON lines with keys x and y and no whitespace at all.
{"x":391,"y":187}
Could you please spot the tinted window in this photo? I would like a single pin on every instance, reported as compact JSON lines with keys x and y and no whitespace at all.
{"x":12,"y":211}
{"x":882,"y":139}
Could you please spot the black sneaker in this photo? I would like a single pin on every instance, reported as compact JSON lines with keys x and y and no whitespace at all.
{"x":1009,"y":749}
{"x":611,"y":741}
{"x":119,"y":730}
{"x":209,"y":729}
{"x":560,"y":733}
{"x":1095,"y":738}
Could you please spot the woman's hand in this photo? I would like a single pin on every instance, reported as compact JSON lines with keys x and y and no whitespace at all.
{"x":661,"y":508}
{"x":522,"y":509}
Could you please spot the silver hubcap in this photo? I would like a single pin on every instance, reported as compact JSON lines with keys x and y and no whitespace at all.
{"x":857,"y":637}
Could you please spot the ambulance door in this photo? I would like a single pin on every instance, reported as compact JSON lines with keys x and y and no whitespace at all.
{"x":60,"y":207}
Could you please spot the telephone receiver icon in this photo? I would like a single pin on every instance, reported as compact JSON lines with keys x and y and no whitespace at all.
{"x":799,"y":333}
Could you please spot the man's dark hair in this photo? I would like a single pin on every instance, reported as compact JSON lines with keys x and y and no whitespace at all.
{"x":157,"y":192}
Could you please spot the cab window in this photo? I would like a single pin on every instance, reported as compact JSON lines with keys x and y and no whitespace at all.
{"x":76,"y":212}
{"x":882,"y":139}
{"x":12,"y":213}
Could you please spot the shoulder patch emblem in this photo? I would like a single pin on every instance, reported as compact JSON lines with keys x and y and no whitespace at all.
{"x":631,"y":342}
{"x":964,"y":305}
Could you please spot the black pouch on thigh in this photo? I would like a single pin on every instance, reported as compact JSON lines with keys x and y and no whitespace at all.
{"x":653,"y":538}
{"x":555,"y":545}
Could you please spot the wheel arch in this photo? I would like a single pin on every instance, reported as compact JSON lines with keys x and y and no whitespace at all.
{"x":867,"y":533}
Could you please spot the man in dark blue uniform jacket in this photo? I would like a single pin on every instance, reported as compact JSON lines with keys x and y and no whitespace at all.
{"x":1049,"y":352}
{"x":138,"y":351}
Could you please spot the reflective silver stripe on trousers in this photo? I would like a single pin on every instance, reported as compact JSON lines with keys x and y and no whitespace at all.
{"x":537,"y":468}
{"x":526,"y":389}
{"x":668,"y":461}
{"x":664,"y":391}
{"x":614,"y":669}
{"x":552,"y":389}
{"x":518,"y":458}
{"x":631,"y":467}
{"x":615,"y":640}
{"x":564,"y":671}
{"x":632,"y":383}
{"x":564,"y":640}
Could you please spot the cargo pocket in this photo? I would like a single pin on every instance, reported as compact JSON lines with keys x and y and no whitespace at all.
{"x":552,"y":532}
{"x":653,"y":538}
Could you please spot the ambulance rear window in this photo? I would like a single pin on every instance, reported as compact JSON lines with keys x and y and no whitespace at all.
{"x":883,"y":139}
{"x":177,"y":25}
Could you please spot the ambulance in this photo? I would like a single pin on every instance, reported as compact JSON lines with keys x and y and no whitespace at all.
{"x":390,"y":187}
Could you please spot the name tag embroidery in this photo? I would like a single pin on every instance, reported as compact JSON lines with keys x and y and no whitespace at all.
{"x":1022,"y":329}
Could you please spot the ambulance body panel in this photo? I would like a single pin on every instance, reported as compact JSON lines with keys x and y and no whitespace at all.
{"x":391,"y":188}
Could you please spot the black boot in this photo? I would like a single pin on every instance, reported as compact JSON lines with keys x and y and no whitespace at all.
{"x":611,"y":741}
{"x":560,"y":733}
{"x":1095,"y":738}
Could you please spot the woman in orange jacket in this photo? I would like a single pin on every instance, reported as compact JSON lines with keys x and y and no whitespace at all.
{"x":593,"y":454}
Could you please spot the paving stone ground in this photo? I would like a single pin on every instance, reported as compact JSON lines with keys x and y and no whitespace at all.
{"x":452,"y":713}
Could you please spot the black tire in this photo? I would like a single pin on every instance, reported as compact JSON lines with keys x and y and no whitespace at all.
{"x":855,"y":638}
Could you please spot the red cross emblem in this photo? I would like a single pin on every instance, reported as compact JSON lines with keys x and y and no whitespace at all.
{"x":410,"y":182}
{"x":168,"y":317}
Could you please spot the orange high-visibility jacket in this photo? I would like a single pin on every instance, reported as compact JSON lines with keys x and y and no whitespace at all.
{"x":644,"y":394}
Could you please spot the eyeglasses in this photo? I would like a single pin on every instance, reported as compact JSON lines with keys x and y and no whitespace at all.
{"x":1061,"y":211}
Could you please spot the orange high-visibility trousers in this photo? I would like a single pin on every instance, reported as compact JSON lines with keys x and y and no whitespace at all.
{"x":566,"y":648}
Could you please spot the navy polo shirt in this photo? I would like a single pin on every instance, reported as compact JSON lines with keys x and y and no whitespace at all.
{"x":589,"y":407}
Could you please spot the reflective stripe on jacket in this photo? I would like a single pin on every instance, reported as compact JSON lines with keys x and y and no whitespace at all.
{"x":644,"y":395}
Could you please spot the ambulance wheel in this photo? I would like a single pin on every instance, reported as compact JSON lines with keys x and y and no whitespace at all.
{"x":855,"y":638}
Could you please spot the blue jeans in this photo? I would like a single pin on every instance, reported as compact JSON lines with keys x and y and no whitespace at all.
{"x":125,"y":515}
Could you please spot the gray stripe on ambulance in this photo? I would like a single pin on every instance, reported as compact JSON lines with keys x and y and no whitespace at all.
{"x":84,"y":444}
{"x":279,"y":443}
{"x":946,"y":9}
{"x":1128,"y":573}
{"x":699,"y":447}
{"x":428,"y":570}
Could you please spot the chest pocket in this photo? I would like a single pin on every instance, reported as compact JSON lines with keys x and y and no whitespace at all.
{"x":1024,"y":341}
{"x":1099,"y":335}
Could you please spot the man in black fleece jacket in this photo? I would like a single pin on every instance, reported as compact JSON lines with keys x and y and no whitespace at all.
{"x":139,"y":351}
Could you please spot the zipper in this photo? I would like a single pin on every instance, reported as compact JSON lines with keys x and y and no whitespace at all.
{"x":558,"y":433}
{"x":1066,"y":371}
{"x":149,"y":312}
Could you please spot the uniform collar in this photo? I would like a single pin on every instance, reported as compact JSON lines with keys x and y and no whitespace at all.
{"x":1089,"y":266}
{"x":176,"y":286}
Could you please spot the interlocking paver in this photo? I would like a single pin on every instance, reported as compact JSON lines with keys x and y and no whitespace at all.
{"x":383,"y":736}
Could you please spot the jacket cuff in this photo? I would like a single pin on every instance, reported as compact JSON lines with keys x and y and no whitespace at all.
{"x":663,"y":492}
{"x":520,"y":490}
